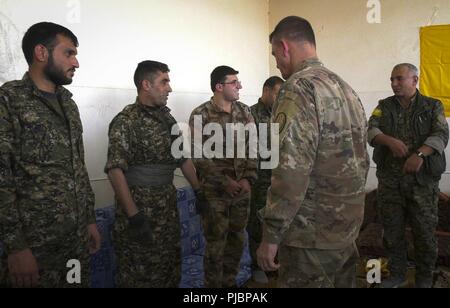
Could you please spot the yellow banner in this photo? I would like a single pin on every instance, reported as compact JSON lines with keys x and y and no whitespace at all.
{"x":435,"y":63}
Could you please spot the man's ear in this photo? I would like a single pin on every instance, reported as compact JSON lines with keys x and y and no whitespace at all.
{"x":41,"y":53}
{"x":146,"y":85}
{"x":285,"y":46}
{"x":219,"y":87}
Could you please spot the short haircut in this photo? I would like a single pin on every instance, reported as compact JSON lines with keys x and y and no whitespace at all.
{"x":293,"y":28}
{"x":147,"y":70}
{"x":411,"y":67}
{"x":272,"y":82}
{"x":219,"y":75}
{"x":44,"y":33}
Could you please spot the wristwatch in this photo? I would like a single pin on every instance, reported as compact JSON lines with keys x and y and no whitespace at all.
{"x":420,"y":154}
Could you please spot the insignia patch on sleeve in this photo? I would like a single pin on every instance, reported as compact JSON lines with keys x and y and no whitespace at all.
{"x":281,"y":119}
{"x":377,"y":112}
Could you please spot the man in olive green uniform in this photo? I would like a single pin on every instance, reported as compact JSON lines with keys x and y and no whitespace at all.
{"x":315,"y":204}
{"x":409,"y":132}
{"x":47,"y":204}
{"x":226,"y":179}
{"x":262,"y":112}
{"x":141,"y":168}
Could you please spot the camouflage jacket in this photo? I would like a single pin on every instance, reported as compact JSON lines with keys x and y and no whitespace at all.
{"x":262,"y":114}
{"x":426,"y":125}
{"x":317,"y":195}
{"x":213,"y":172}
{"x":141,"y":135}
{"x":45,"y":192}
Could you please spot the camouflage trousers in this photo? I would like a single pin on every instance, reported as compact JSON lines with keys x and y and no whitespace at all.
{"x":158,"y":264}
{"x":254,"y":227}
{"x":52,"y":260}
{"x":416,"y":205}
{"x":314,"y":268}
{"x":224,"y":231}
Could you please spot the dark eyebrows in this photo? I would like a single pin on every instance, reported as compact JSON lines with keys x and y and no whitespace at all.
{"x":71,"y":52}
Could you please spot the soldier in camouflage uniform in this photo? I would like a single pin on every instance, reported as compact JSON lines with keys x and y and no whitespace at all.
{"x":47,"y":204}
{"x":262,"y":112}
{"x":315,"y":204}
{"x":141,"y":168}
{"x":409,"y":132}
{"x":226,"y":181}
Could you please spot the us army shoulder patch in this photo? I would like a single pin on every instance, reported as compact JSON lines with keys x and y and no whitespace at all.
{"x":281,"y":119}
{"x":286,"y":111}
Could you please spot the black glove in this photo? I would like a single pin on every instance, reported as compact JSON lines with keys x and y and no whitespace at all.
{"x":202,"y":204}
{"x":139,"y":228}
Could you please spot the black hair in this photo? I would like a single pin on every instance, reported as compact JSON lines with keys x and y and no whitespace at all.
{"x":272,"y":82}
{"x":147,"y":70}
{"x":44,"y":33}
{"x":293,"y":28}
{"x":219,"y":75}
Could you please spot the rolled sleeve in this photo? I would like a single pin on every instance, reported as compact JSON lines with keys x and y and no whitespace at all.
{"x":119,"y":145}
{"x":438,"y":138}
{"x":436,"y":143}
{"x":373,"y":133}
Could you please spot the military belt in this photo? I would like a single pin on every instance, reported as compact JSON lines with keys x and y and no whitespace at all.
{"x":150,"y":175}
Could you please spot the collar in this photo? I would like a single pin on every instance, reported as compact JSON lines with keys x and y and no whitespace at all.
{"x":150,"y":108}
{"x":309,"y":63}
{"x":60,"y":90}
{"x":412,"y":100}
{"x":264,"y":106}
{"x":214,"y":107}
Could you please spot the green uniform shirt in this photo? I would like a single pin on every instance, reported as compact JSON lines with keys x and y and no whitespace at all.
{"x":317,"y":195}
{"x":45,"y":191}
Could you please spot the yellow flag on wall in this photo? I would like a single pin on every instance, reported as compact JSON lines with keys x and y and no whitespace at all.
{"x":435,"y":63}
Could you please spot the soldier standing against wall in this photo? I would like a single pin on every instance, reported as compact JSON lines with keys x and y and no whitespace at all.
{"x":47,"y":205}
{"x":226,"y":181}
{"x":262,"y":112}
{"x":141,"y":169}
{"x":315,"y":204}
{"x":409,"y":132}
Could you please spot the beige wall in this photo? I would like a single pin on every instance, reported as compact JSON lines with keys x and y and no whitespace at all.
{"x":192,"y":36}
{"x":362,"y":53}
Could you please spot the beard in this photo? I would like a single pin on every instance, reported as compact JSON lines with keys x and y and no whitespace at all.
{"x":231,"y":97}
{"x":55,"y":74}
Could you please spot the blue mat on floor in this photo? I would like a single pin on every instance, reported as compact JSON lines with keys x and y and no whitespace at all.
{"x":192,"y":244}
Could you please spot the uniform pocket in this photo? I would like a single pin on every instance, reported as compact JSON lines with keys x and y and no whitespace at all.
{"x":34,"y":143}
{"x":423,"y":123}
